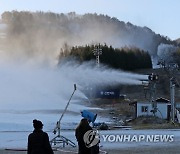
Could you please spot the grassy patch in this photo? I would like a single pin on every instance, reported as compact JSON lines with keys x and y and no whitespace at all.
{"x":151,"y":122}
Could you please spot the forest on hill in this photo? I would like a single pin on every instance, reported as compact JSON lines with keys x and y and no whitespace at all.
{"x":125,"y":58}
{"x":43,"y":34}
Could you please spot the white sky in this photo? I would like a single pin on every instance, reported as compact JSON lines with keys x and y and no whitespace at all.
{"x":162,"y":16}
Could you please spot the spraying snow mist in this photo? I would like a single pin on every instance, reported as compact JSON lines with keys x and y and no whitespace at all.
{"x":25,"y":87}
{"x":166,"y":51}
{"x":29,"y":92}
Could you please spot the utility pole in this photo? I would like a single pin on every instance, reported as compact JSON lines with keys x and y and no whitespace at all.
{"x":153,"y":98}
{"x":153,"y":78}
{"x":171,"y":71}
{"x":97,"y":52}
{"x":172,"y":96}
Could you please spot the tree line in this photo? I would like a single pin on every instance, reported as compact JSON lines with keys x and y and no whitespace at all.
{"x":127,"y":58}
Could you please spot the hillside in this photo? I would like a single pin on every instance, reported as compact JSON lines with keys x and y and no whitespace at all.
{"x":43,"y":34}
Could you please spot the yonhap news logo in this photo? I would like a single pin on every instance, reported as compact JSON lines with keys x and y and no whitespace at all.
{"x":91,"y":138}
{"x":138,"y":138}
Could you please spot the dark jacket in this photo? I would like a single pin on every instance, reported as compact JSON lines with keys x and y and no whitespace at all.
{"x":38,"y":143}
{"x":80,"y":131}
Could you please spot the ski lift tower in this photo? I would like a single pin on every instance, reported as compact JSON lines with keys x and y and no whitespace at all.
{"x":97,"y":52}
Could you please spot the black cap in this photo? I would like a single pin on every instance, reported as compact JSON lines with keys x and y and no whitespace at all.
{"x":37,"y":124}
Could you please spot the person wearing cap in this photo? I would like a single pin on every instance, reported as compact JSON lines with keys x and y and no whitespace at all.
{"x":38,"y":141}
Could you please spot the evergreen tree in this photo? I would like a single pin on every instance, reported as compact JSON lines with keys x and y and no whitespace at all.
{"x":124,"y":58}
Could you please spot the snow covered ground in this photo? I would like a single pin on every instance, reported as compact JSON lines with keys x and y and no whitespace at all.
{"x":15,"y":125}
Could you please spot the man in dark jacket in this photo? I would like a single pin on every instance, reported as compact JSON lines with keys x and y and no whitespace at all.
{"x":38,"y":141}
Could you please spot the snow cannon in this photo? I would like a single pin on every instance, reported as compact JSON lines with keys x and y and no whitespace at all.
{"x":91,"y":117}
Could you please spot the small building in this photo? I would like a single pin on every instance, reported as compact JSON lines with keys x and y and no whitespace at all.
{"x":145,"y":108}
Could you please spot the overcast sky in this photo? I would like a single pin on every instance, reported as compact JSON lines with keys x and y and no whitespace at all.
{"x":162,"y":16}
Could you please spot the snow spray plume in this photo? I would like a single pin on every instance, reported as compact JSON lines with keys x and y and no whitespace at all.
{"x":85,"y":74}
{"x":42,"y":88}
{"x":166,"y":51}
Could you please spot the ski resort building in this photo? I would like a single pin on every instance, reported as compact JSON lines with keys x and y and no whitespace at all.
{"x":145,"y":108}
{"x":163,"y":109}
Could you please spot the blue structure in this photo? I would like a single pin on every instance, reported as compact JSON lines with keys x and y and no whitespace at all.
{"x":91,"y":117}
{"x":107,"y":93}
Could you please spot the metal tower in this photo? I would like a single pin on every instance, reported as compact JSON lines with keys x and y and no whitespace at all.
{"x":97,"y":52}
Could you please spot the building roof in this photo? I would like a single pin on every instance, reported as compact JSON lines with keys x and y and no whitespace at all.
{"x":162,"y":100}
{"x":158,"y":100}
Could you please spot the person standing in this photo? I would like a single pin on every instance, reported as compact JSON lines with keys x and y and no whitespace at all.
{"x":81,"y":129}
{"x":38,"y":141}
